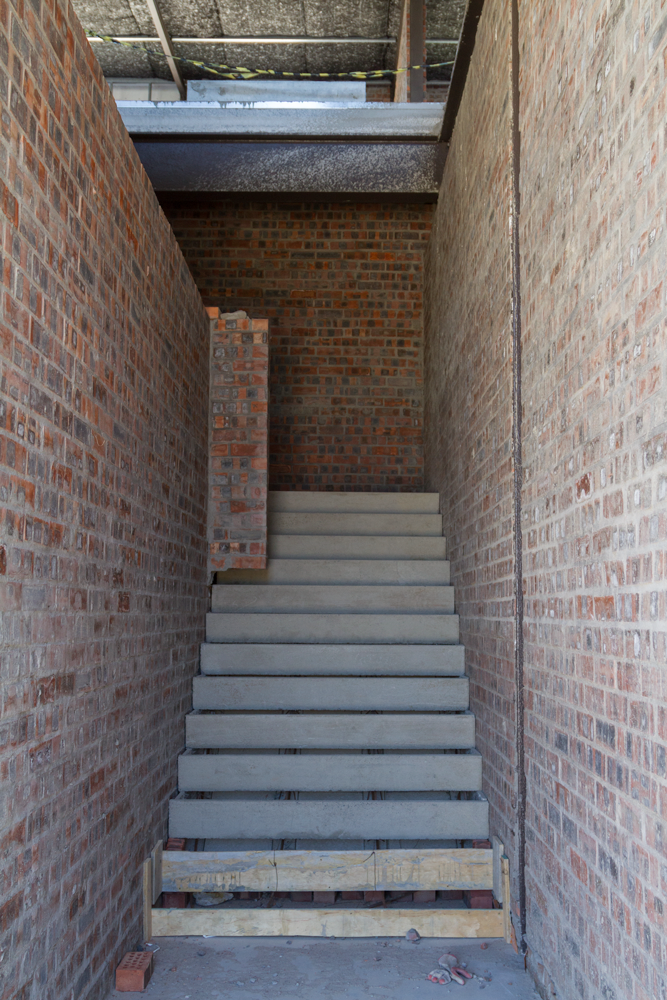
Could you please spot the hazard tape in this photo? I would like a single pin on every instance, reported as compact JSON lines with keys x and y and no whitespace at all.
{"x":243,"y":73}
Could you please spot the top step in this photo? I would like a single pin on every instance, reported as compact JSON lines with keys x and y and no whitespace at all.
{"x":305,"y":502}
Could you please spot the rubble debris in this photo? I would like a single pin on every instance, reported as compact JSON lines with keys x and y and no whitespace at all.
{"x":413,"y":936}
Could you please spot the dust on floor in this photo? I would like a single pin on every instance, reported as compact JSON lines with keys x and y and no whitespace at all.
{"x":195,"y":968}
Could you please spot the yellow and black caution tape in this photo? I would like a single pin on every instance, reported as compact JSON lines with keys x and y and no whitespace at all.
{"x":243,"y":73}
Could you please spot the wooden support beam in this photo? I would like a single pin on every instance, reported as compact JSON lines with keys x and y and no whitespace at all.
{"x":147,"y":895}
{"x":278,"y":922}
{"x":498,"y":851}
{"x":297,"y":871}
{"x":417,"y":51}
{"x":156,"y":871}
{"x":507,"y":916}
{"x":167,"y":46}
{"x":411,"y":51}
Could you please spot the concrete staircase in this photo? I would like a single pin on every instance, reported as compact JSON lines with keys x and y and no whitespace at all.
{"x":332,"y":707}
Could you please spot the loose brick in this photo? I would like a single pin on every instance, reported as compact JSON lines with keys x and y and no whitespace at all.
{"x":175,"y":900}
{"x":134,"y":972}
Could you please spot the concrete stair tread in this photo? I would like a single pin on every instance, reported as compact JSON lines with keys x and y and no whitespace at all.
{"x":307,"y":659}
{"x":378,"y":572}
{"x":306,"y":501}
{"x":401,"y":816}
{"x":333,"y":730}
{"x":324,"y":772}
{"x":332,"y":599}
{"x":372,"y":546}
{"x":405,"y":525}
{"x":332,"y":628}
{"x":337,"y":693}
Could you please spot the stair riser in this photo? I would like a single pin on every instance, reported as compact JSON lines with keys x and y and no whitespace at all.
{"x":389,"y":694}
{"x":367,"y":572}
{"x":355,"y":524}
{"x":329,"y":772}
{"x":297,"y":599}
{"x":330,"y":731}
{"x":339,"y":546}
{"x":304,"y":659}
{"x":332,"y":628}
{"x":300,"y":502}
{"x":289,"y":819}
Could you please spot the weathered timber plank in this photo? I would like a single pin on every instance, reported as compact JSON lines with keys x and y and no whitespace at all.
{"x":303,"y":871}
{"x":381,"y":922}
{"x":324,"y":598}
{"x":319,"y":659}
{"x":407,"y":694}
{"x":322,"y":819}
{"x":330,"y":730}
{"x":331,"y":628}
{"x":238,"y":772}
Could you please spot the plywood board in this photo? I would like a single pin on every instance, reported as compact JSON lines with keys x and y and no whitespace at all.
{"x":380,"y":922}
{"x":304,"y":871}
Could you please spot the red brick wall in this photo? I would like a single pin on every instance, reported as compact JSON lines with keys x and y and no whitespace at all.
{"x":238,"y":444}
{"x":341,"y":286}
{"x":594,"y":243}
{"x":468,"y":402}
{"x":103,"y":456}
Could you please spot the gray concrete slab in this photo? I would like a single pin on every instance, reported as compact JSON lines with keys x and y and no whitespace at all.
{"x":305,"y":501}
{"x":251,"y":91}
{"x":370,"y":121}
{"x":329,"y":772}
{"x":408,"y":169}
{"x":357,"y":694}
{"x":330,"y":730}
{"x":306,"y":659}
{"x":330,"y":628}
{"x":311,"y":816}
{"x":339,"y":969}
{"x":357,"y":547}
{"x":335,"y":523}
{"x":332,"y":599}
{"x":382,"y":572}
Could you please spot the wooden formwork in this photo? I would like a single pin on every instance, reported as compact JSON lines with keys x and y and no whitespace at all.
{"x":295,"y":871}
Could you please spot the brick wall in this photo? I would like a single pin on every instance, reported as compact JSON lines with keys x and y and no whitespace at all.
{"x":238,"y":445}
{"x":594,"y":246}
{"x":468,"y":402}
{"x":341,"y":286}
{"x":103,"y":454}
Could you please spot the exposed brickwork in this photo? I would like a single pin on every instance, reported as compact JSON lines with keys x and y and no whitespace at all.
{"x":103,"y":456}
{"x":239,"y":401}
{"x":341,"y":287}
{"x":594,"y":244}
{"x":468,"y":401}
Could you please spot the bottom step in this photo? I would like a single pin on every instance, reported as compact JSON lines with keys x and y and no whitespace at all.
{"x":287,"y":922}
{"x":416,"y":817}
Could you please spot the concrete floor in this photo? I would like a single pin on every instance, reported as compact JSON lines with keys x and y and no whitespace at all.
{"x":340,"y":969}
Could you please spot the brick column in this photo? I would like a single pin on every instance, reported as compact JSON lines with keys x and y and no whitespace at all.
{"x":238,"y":429}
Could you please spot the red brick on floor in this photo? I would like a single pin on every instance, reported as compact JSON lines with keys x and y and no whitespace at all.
{"x":134,"y":971}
